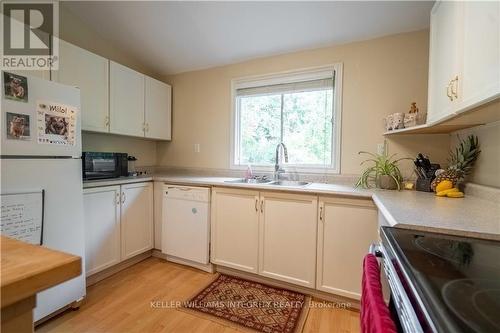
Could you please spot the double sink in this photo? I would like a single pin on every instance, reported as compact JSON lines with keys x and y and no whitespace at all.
{"x":288,"y":183}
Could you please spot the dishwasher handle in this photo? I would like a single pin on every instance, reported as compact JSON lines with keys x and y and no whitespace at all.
{"x":179,"y":188}
{"x":201,"y":194}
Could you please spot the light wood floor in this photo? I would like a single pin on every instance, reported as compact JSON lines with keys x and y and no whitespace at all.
{"x":122,"y":303}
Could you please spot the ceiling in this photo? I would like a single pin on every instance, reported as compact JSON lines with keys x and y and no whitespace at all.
{"x":175,"y":37}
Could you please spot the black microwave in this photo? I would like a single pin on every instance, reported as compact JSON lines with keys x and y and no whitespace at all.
{"x":96,"y":165}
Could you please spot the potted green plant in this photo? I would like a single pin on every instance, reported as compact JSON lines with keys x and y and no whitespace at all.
{"x":384,"y":172}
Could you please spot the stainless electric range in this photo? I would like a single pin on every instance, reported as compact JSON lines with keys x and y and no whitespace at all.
{"x":442,"y":283}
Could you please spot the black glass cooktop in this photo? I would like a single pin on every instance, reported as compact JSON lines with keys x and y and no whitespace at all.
{"x":457,"y":278}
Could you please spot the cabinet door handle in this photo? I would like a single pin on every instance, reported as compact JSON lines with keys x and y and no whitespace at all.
{"x":262,"y":206}
{"x":454,"y":85}
{"x":106,"y":121}
{"x":123,"y":197}
{"x":321,"y":213}
{"x":117,"y":198}
{"x":256,"y":204}
{"x":448,"y":91}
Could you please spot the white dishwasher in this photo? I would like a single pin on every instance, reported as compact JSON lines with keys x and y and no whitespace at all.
{"x":186,"y":224}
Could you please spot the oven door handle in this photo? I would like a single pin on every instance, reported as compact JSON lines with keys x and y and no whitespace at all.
{"x":407,"y":316}
{"x":375,"y":250}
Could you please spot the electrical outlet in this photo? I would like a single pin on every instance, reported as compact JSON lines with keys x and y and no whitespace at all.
{"x":196,"y":147}
{"x":381,"y":148}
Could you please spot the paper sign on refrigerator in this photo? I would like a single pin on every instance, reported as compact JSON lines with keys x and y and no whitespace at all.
{"x":56,"y":123}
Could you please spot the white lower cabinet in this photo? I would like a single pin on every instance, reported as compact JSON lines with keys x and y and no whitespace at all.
{"x":118,"y":224}
{"x":235,"y":228}
{"x":306,"y":240}
{"x":346,"y":228}
{"x":287,"y":237}
{"x":102,"y":228}
{"x":136,"y":219}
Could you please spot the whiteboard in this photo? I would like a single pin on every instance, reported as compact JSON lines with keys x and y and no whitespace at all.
{"x":22,"y":216}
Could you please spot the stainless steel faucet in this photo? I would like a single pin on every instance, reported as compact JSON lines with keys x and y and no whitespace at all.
{"x":277,"y":168}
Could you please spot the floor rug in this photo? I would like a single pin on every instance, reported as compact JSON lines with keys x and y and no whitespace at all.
{"x":251,"y":306}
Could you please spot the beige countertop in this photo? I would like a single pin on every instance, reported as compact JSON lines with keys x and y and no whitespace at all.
{"x":470,"y":216}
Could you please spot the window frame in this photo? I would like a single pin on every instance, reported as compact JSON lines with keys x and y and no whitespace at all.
{"x":287,"y":77}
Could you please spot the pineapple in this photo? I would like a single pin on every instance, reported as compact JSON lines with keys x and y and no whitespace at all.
{"x":461,"y":162}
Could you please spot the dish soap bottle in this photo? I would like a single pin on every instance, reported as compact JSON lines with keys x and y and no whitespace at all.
{"x":248,"y":173}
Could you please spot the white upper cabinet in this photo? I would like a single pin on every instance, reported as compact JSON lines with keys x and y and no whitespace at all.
{"x":464,"y":61}
{"x":481,"y":52}
{"x":444,"y":65}
{"x":114,"y":98}
{"x":158,"y":109}
{"x":126,"y":88}
{"x":90,"y":73}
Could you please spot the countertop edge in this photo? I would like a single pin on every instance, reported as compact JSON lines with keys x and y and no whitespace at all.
{"x":116,"y":181}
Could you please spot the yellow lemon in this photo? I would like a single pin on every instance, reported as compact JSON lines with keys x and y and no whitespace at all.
{"x":455,"y":195}
{"x":445,"y":192}
{"x":444,"y":185}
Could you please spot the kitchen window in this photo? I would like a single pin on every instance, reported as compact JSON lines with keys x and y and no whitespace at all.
{"x":300,"y":109}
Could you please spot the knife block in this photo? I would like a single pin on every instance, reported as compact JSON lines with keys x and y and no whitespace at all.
{"x":423,"y":184}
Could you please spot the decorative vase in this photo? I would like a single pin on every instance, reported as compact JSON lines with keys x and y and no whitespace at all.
{"x":410,"y":119}
{"x":386,"y":182}
{"x":388,"y":122}
{"x":398,"y":120}
{"x":421,"y":117}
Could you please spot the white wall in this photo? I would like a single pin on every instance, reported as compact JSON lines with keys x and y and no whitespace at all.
{"x":487,"y":168}
{"x":144,"y":150}
{"x":73,"y":30}
{"x":381,"y":76}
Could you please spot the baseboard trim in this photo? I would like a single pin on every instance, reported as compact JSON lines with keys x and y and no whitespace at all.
{"x":206,"y":268}
{"x":99,"y":276}
{"x":350,"y":304}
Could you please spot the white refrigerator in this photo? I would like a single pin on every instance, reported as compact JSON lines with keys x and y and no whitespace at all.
{"x":41,"y":150}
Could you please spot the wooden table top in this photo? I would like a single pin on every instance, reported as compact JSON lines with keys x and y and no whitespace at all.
{"x":27,"y":269}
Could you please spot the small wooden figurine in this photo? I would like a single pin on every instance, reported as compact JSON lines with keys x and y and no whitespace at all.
{"x":412,"y":117}
{"x":413,"y":108}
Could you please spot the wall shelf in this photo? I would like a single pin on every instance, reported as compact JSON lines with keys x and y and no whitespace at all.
{"x":484,"y":114}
